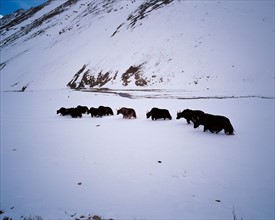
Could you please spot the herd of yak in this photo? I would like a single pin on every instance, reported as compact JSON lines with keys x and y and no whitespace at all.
{"x":213,"y":123}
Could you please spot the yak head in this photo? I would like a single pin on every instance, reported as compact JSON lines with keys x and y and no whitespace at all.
{"x":121,"y":111}
{"x":148,"y":114}
{"x":196,"y":120}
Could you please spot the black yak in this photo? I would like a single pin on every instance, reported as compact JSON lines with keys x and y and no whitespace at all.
{"x":157,"y":113}
{"x":83,"y":109}
{"x":74,"y":112}
{"x":95,"y":112}
{"x":214,"y":123}
{"x":62,"y":111}
{"x":127,"y":112}
{"x":105,"y":110}
{"x":100,"y":111}
{"x":188,"y":114}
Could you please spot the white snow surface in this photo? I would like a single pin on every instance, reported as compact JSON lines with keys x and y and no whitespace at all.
{"x":195,"y":53}
{"x":44,"y":158}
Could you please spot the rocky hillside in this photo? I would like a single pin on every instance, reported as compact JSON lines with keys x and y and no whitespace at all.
{"x":208,"y":47}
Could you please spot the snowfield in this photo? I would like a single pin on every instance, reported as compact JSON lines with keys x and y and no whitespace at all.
{"x":63,"y":168}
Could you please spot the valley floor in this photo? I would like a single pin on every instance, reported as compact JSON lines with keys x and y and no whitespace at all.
{"x":63,"y":168}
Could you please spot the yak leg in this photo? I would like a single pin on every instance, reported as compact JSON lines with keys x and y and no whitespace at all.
{"x":218,"y":130}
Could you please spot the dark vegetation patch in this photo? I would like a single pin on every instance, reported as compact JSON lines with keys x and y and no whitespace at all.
{"x":145,"y":9}
{"x":72,"y":84}
{"x":86,"y":78}
{"x":100,"y":80}
{"x":142,"y":12}
{"x":133,"y":71}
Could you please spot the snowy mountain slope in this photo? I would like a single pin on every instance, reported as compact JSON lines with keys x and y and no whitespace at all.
{"x":207,"y":47}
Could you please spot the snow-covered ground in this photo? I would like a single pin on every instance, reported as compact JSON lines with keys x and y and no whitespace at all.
{"x":63,"y":168}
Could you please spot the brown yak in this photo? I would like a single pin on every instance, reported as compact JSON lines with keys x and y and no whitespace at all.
{"x":127,"y":113}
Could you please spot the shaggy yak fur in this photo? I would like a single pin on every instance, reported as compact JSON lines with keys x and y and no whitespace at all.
{"x":83,"y":109}
{"x":100,"y":111}
{"x":188,"y":114}
{"x":73,"y":112}
{"x":157,"y":113}
{"x":214,"y":123}
{"x":105,"y":110}
{"x":95,"y":112}
{"x":127,"y":112}
{"x":62,"y":111}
